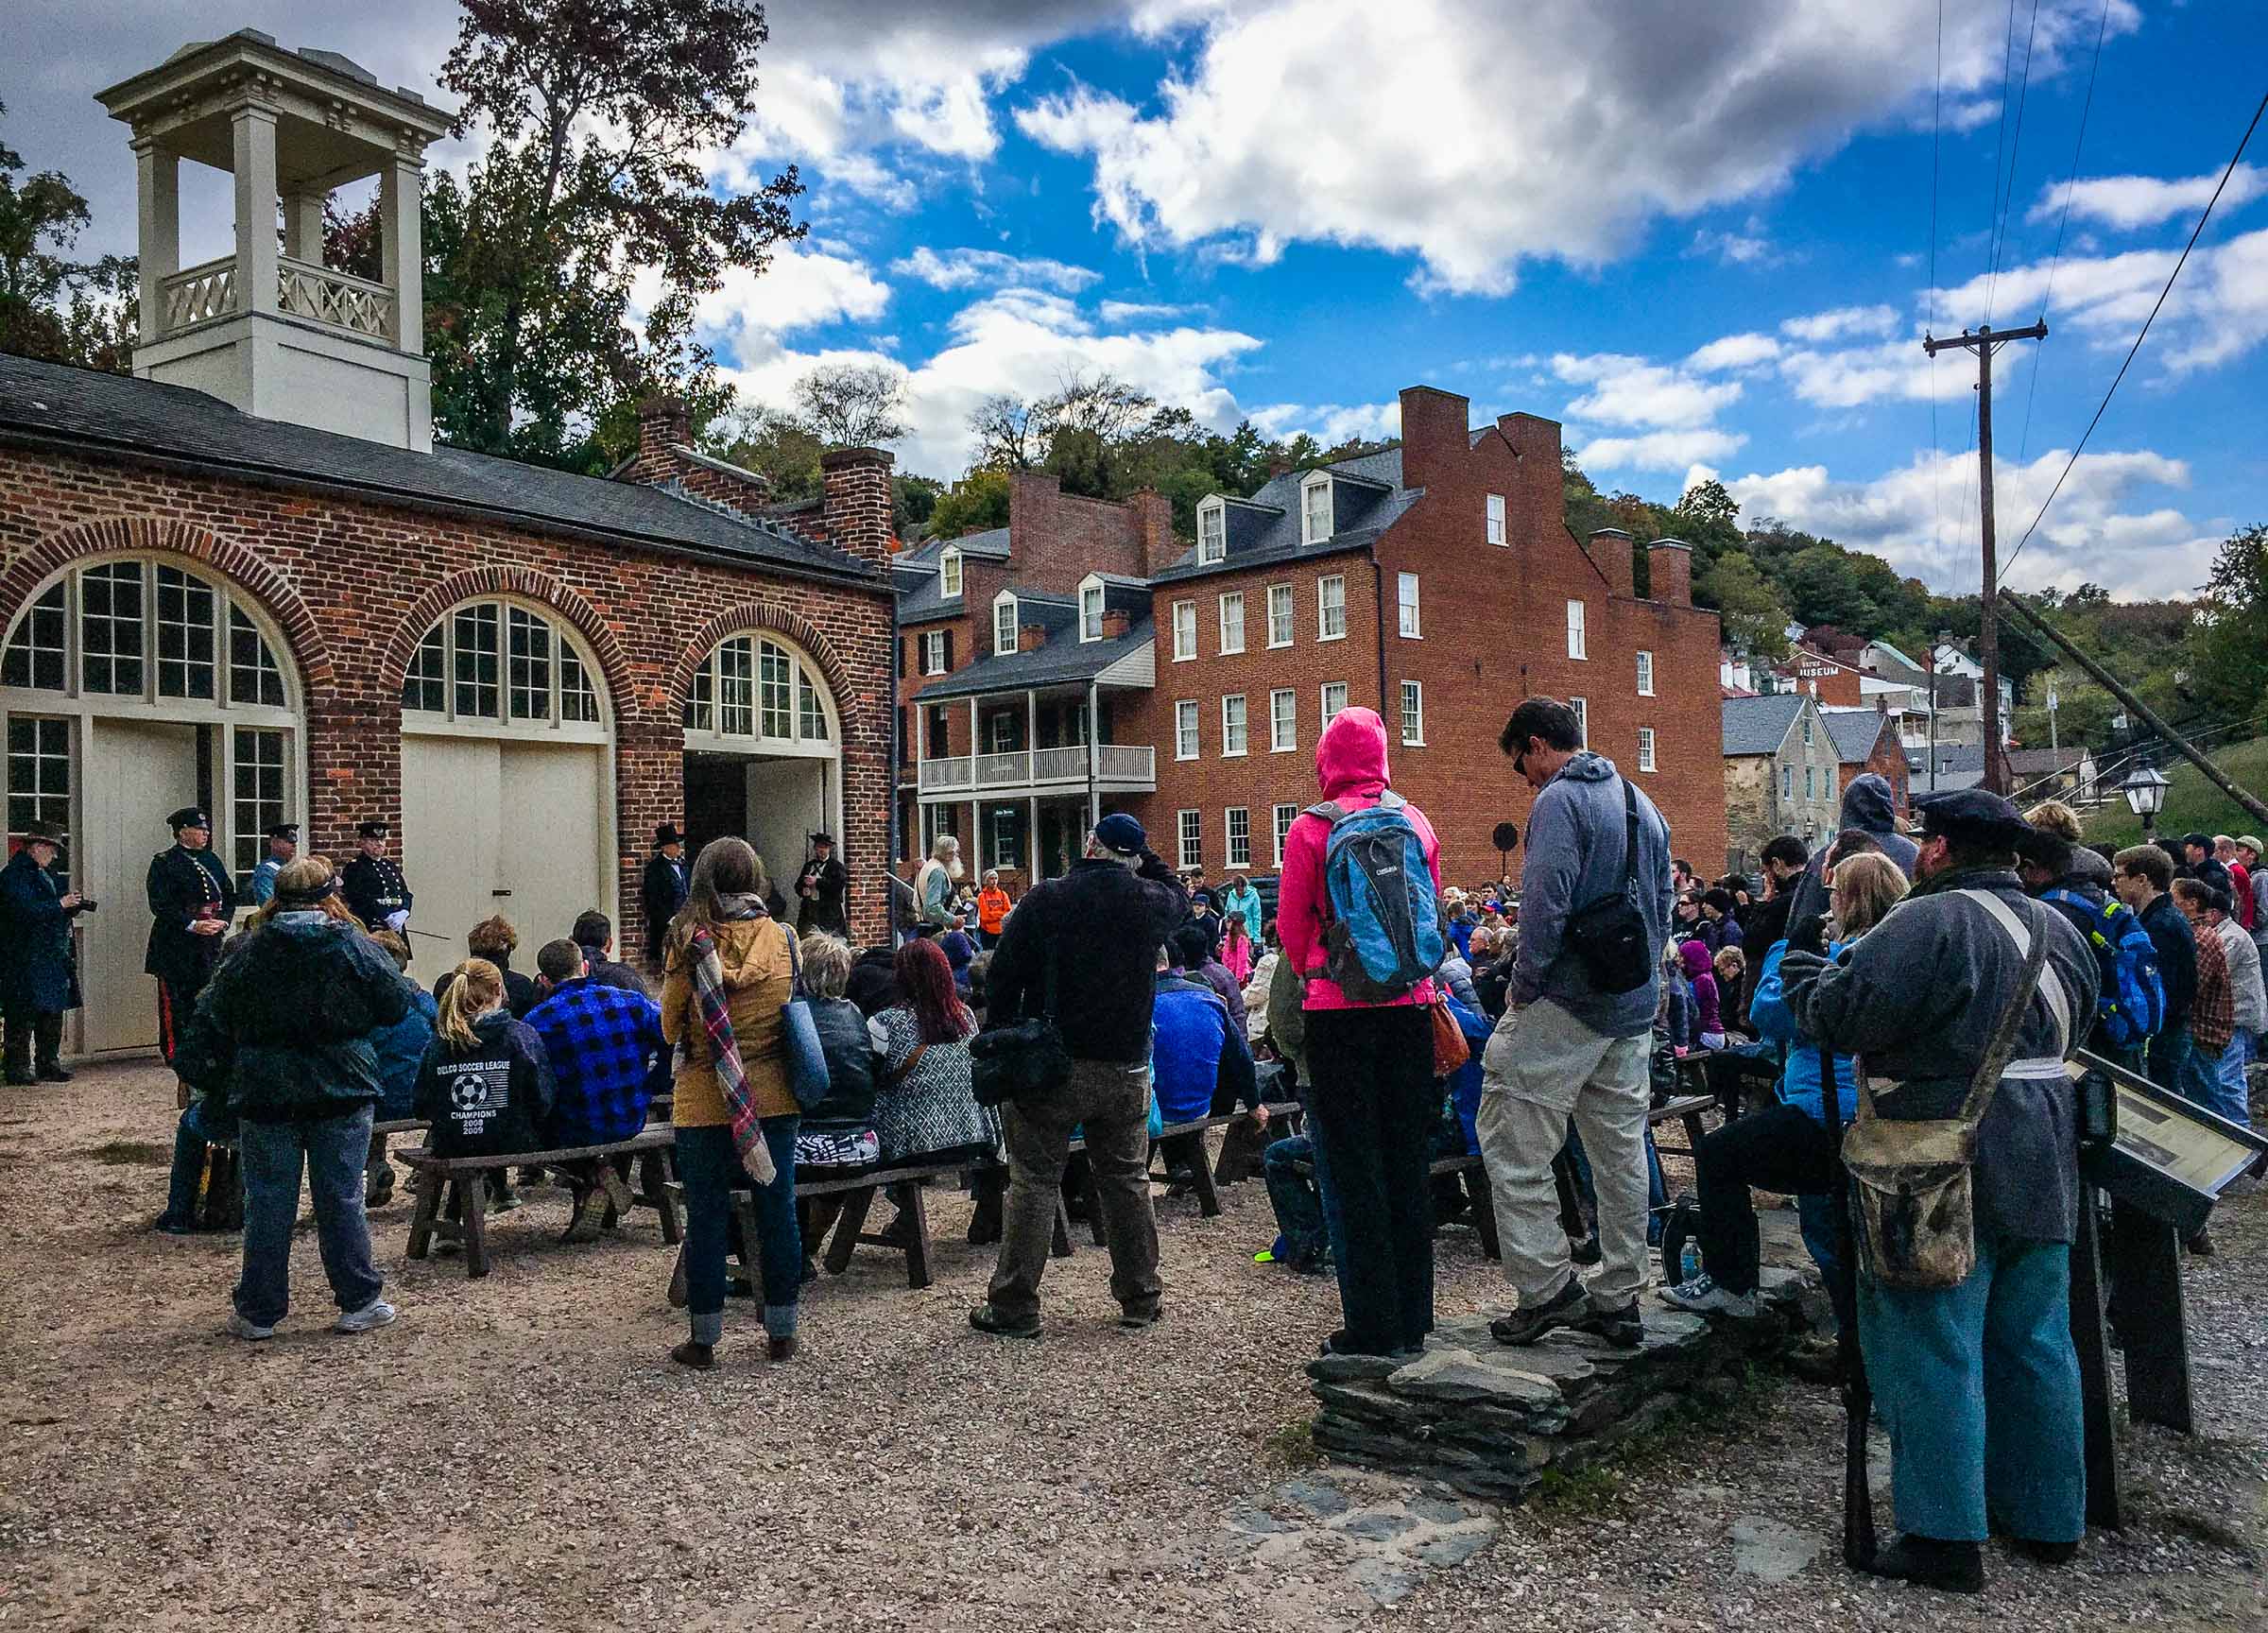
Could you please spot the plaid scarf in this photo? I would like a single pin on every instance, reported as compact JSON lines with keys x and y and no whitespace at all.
{"x":708,"y":972}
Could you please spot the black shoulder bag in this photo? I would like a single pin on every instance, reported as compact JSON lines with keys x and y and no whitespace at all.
{"x":1025,"y":1060}
{"x":1607,"y":935}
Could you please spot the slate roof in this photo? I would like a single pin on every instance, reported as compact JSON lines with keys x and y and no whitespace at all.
{"x":1855,"y":732}
{"x":1064,"y":658}
{"x":78,"y":410}
{"x":1759,"y":725}
{"x":1360,"y":512}
{"x":992,"y":543}
{"x":1959,"y":766}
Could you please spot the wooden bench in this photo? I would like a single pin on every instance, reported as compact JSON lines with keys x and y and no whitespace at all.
{"x":464,"y":1180}
{"x":1685,"y":1109}
{"x":1187,"y":1141}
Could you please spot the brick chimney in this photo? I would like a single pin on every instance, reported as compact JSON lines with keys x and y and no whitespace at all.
{"x":857,"y":504}
{"x":1435,"y":439}
{"x":665,"y":425}
{"x":1609,"y":550}
{"x":1153,"y":520}
{"x":1670,"y":568}
{"x":1115,"y":623}
{"x":1031,"y":637}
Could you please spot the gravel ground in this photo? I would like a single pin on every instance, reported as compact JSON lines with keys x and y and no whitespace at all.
{"x":519,"y":1449}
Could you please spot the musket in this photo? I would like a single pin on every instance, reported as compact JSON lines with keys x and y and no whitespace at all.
{"x":1858,"y":1397}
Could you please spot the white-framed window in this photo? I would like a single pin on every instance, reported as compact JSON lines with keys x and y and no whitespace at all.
{"x":1004,"y":850}
{"x":1811,"y":785}
{"x":1285,"y":816}
{"x":1331,"y":607}
{"x":1334,"y":700}
{"x":146,"y":631}
{"x":39,"y":772}
{"x":1232,"y":623}
{"x":1233,"y":732}
{"x":1239,"y":822}
{"x":1279,"y":614}
{"x":1213,"y":533}
{"x":1412,"y":714}
{"x":1003,"y":624}
{"x":1645,"y":672}
{"x":1284,"y":720}
{"x":1576,"y":640}
{"x":1314,"y":509}
{"x":1090,"y":612}
{"x":1189,"y":835}
{"x":499,"y":660}
{"x":1582,"y":708}
{"x":1185,"y":631}
{"x":1646,"y":749}
{"x":933,"y":652}
{"x":1787,"y":783}
{"x":949,"y":574}
{"x":1002,"y":733}
{"x":753,"y":686}
{"x":1497,"y":534}
{"x":1185,"y":730}
{"x":1406,"y":599}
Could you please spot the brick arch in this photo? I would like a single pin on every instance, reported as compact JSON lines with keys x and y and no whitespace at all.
{"x":237,"y":562}
{"x":508,"y":578}
{"x":747,"y":616}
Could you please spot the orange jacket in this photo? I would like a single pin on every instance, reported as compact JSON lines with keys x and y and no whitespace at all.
{"x":991,"y":910}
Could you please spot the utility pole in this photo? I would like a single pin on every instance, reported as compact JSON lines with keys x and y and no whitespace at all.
{"x":1985,"y":341}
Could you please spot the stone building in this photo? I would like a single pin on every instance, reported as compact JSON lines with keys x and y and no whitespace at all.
{"x":1782,"y":774}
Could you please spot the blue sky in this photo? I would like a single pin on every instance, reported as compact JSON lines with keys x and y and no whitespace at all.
{"x":1699,"y":235}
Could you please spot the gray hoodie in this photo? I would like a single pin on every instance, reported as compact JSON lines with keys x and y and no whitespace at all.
{"x":1576,"y":855}
{"x":1869,"y":805}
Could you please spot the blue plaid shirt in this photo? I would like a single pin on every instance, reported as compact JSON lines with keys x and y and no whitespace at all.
{"x":604,"y":1044}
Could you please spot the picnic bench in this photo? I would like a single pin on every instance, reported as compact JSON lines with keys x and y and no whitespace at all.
{"x":463,"y":1182}
{"x":1684,"y":1109}
{"x":1186,"y":1142}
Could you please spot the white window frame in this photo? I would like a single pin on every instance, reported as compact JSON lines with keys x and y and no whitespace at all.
{"x":1787,"y":783}
{"x":1323,"y":607}
{"x":949,"y":575}
{"x":1236,"y":596}
{"x":1236,"y":727}
{"x":1498,"y":532}
{"x":1284,"y":720}
{"x":1232,"y":840}
{"x":1582,"y":708}
{"x":1188,"y":742}
{"x":1213,"y":533}
{"x":1005,"y":603}
{"x":1413,"y":692}
{"x":1281,"y":596}
{"x":1578,"y":635}
{"x":1185,"y":652}
{"x":933,"y":651}
{"x":1346,"y":700}
{"x":1309,"y":531}
{"x":1090,"y":612}
{"x":1645,"y":672}
{"x":1280,"y":819}
{"x":1408,"y":617}
{"x":1645,"y":749}
{"x":1189,"y":838}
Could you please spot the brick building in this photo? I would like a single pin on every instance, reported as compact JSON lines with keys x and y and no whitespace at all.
{"x":247,"y":579}
{"x":1435,"y":581}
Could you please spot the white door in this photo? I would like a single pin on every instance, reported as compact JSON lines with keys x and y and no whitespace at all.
{"x":549,"y":860}
{"x":137,"y":774}
{"x":452,"y":790}
{"x":787,"y":801}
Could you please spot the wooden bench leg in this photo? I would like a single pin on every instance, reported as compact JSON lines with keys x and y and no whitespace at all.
{"x":913,"y":1202}
{"x":677,"y":1295}
{"x":1061,"y":1247}
{"x":854,"y":1219}
{"x":1095,"y":1203}
{"x":1200,"y":1174}
{"x":1693,"y":1131}
{"x":428,"y":1187}
{"x":1483,"y":1210}
{"x":751,"y":1250}
{"x":476,"y":1190}
{"x":653,"y":1178}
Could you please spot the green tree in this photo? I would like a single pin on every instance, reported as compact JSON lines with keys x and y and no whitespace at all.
{"x":1754,"y":617}
{"x":2228,"y":650}
{"x":977,"y":502}
{"x":778,"y":447}
{"x":84,"y":313}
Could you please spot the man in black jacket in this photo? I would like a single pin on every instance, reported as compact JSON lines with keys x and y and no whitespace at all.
{"x":2141,"y":875}
{"x":191,"y":899}
{"x":1097,"y":929}
{"x":375,"y":890}
{"x":663,"y":888}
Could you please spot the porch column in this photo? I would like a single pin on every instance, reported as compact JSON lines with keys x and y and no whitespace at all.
{"x":1031,"y":729}
{"x":253,"y":150}
{"x":977,"y":840}
{"x":156,"y":187}
{"x":1094,"y":753}
{"x":1037,"y":865}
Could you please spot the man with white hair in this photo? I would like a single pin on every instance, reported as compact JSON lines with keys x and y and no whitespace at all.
{"x":934,"y":885}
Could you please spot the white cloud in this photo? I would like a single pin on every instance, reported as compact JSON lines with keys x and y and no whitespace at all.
{"x":1345,"y":122}
{"x":1841,"y":322}
{"x":806,"y":285}
{"x":1631,"y":391}
{"x":1329,"y":424}
{"x":1658,"y":450}
{"x":1136,"y":311}
{"x":1749,"y":248}
{"x":1734,"y":351}
{"x":967,"y":268}
{"x":1848,"y":379}
{"x":2124,"y":204}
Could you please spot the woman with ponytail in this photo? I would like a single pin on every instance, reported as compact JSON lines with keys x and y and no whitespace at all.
{"x":484,"y":1085}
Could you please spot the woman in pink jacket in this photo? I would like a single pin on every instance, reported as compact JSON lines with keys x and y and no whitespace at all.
{"x":1372,"y":1104}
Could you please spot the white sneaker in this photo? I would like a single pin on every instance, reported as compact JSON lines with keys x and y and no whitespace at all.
{"x":1703,"y":1297}
{"x":377,"y":1312}
{"x":249,"y":1331}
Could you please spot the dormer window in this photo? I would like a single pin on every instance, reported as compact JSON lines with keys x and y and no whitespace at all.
{"x":1004,"y":623}
{"x":1091,"y":612}
{"x":949,"y":574}
{"x":1213,"y":533}
{"x":1314,"y":509}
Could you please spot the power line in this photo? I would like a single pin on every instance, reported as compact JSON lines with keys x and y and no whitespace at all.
{"x":2070,"y":188}
{"x":2000,"y":151}
{"x":2159,"y":306}
{"x":2016,"y":144}
{"x":1936,"y":443}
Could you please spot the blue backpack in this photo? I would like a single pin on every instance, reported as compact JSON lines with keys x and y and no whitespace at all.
{"x":2132,"y":1003}
{"x":1384,"y":933}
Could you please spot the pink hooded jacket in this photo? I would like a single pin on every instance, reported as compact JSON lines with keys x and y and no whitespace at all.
{"x":1350,"y":764}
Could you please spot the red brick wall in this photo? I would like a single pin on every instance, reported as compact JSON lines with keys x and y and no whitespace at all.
{"x":354,"y":585}
{"x":1081,"y":536}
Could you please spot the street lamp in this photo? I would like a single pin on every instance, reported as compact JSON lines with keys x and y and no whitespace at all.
{"x":2145,"y":790}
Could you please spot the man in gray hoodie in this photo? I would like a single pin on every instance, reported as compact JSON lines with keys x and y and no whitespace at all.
{"x":1565,"y":1048}
{"x":1870,"y":805}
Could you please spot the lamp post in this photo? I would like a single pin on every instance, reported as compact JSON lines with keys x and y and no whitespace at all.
{"x":2145,"y":790}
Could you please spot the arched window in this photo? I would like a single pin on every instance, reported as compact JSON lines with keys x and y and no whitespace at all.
{"x":499,"y":665}
{"x":761,"y":690}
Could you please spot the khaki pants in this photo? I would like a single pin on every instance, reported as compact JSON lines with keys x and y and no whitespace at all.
{"x":1112,"y":1101}
{"x":1542,"y":1066}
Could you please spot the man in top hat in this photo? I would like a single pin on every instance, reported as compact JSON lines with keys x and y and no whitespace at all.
{"x":1977,"y":1383}
{"x":821,"y":888}
{"x":191,"y":899}
{"x":375,"y":892}
{"x":37,"y":982}
{"x":664,"y":886}
{"x":283,"y":844}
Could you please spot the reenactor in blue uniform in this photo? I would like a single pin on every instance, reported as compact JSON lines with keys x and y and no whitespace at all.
{"x":191,"y":901}
{"x":39,"y":982}
{"x":376,"y":892}
{"x":283,"y":844}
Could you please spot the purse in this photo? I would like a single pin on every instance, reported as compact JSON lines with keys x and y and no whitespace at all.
{"x":1913,"y":1212}
{"x":1607,"y":935}
{"x":1019,"y":1061}
{"x":1450,"y":1050}
{"x":807,"y":1075}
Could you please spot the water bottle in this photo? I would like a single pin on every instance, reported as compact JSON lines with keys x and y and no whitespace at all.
{"x":1689,"y":1260}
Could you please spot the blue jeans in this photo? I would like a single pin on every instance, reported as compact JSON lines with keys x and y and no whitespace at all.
{"x":2235,"y":1102}
{"x":1297,"y":1201}
{"x":333,"y":1151}
{"x":2201,"y":1079}
{"x":1979,"y":1387}
{"x":709,"y":1169}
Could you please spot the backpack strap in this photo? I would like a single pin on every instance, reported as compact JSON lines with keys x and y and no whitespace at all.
{"x":1330,"y":811}
{"x":2032,"y":944}
{"x":1629,"y":834}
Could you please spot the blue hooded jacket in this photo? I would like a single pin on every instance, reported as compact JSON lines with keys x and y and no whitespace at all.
{"x":1799,"y":1080}
{"x":1198,"y":1050}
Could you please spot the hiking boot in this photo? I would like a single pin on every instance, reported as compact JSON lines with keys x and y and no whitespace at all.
{"x":374,"y":1315}
{"x":167,"y":1225}
{"x":250,"y":1331}
{"x":1135,"y":1318}
{"x":1565,"y":1308}
{"x":2201,"y":1245}
{"x":698,"y":1357}
{"x":779,"y":1350}
{"x":1703,"y":1297}
{"x":1623,"y":1329}
{"x":985,"y":1318}
{"x":2043,"y":1553}
{"x":1948,"y":1567}
{"x":53,"y":1072}
{"x":380,"y":1191}
{"x":20,"y":1079}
